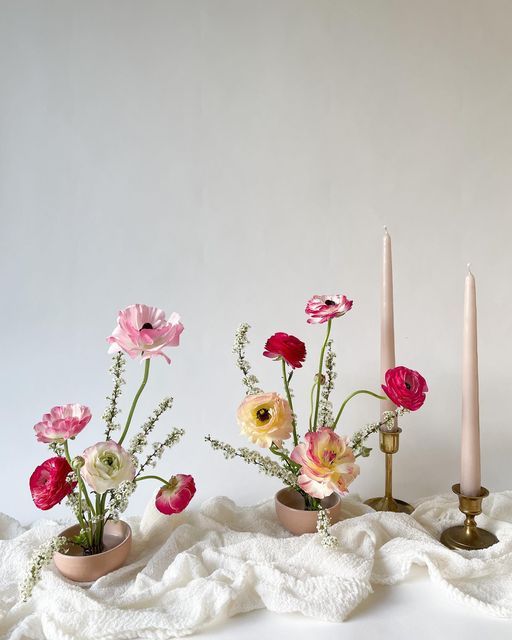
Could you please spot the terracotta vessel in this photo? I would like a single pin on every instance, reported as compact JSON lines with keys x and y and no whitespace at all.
{"x":291,"y":513}
{"x":117,"y":540}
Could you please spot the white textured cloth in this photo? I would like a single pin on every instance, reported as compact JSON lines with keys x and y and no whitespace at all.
{"x":188,"y":570}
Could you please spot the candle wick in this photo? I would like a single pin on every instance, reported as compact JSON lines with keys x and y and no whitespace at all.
{"x":385,"y":229}
{"x":469,"y":267}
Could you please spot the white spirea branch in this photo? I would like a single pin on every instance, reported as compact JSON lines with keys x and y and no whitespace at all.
{"x":323,"y":522}
{"x":112,"y":410}
{"x":249,"y":380}
{"x":40,"y":559}
{"x":265,"y":464}
{"x":387,"y":424}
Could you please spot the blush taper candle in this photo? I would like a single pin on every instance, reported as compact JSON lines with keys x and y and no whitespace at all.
{"x":387,"y":323}
{"x":470,"y":481}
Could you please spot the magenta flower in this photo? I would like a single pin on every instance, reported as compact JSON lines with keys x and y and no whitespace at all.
{"x":327,"y":463}
{"x":49,"y":484}
{"x":174,"y":497}
{"x":323,"y":308}
{"x":290,"y":348}
{"x":144,"y":331}
{"x":405,"y":387}
{"x":62,"y":423}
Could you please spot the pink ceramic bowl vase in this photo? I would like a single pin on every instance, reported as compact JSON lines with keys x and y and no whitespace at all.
{"x":291,"y":513}
{"x":117,"y":539}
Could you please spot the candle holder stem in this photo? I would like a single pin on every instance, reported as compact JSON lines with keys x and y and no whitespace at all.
{"x":389,"y":443}
{"x":468,"y":536}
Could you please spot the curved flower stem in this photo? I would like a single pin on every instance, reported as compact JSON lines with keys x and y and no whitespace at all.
{"x":135,"y":400}
{"x":165,"y":482}
{"x":286,"y":382}
{"x":352,"y":395}
{"x":79,"y":479}
{"x":320,"y":368}
{"x":311,"y":406}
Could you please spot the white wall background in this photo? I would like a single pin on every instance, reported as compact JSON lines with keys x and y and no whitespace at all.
{"x":227,"y":159}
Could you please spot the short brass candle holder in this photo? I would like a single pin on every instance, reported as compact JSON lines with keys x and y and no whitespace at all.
{"x":468,"y":536}
{"x":389,"y":442}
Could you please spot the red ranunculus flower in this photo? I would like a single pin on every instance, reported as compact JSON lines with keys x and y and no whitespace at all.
{"x":290,"y":348}
{"x":405,"y":387}
{"x":48,"y":484}
{"x":174,"y":497}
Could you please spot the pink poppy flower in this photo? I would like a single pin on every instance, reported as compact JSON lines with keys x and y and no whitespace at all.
{"x":327,"y":463}
{"x":323,"y":308}
{"x":174,"y":497}
{"x":144,"y":331}
{"x":290,"y":348}
{"x":62,"y":423}
{"x":49,"y":484}
{"x":405,"y":387}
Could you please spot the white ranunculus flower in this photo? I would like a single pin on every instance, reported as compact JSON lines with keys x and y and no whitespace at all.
{"x":107,"y":464}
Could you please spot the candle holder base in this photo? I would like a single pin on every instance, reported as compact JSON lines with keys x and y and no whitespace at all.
{"x":467,"y":536}
{"x":390,"y":504}
{"x":389,"y":442}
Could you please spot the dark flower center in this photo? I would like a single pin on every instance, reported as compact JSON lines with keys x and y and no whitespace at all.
{"x":263,"y":414}
{"x":146,"y":325}
{"x":408,"y":386}
{"x":330,"y":303}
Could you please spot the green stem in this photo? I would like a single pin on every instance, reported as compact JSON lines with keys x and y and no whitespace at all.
{"x":352,"y":395}
{"x":135,"y":400}
{"x":320,"y":368}
{"x":165,"y":482}
{"x":79,"y":478}
{"x":311,"y":406}
{"x":286,"y":382}
{"x":293,"y":466}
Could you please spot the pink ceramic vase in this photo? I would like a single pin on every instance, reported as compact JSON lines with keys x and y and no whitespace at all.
{"x":291,"y":513}
{"x":117,"y":540}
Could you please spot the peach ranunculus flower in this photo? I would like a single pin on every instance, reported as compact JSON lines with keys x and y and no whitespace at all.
{"x":265,"y":418}
{"x":327,"y":463}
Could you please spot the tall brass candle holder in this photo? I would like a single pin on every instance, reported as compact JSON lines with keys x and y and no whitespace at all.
{"x":468,"y":536}
{"x":389,"y":442}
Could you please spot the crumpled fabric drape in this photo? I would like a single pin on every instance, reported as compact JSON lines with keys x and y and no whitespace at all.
{"x":200,"y":566}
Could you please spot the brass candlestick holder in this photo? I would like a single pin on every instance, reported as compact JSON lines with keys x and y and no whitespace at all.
{"x":389,"y":441}
{"x":468,"y":536}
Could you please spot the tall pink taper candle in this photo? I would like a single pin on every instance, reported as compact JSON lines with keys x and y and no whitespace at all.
{"x":470,"y":481}
{"x":387,"y":322}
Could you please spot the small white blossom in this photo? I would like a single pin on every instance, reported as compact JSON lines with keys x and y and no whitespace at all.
{"x":140,"y":439}
{"x":118,"y":502}
{"x":159,"y":447}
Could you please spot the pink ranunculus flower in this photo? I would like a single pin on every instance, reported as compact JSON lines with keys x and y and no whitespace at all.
{"x":174,"y":497}
{"x":107,"y":464}
{"x":289,"y":348}
{"x":265,"y":418}
{"x":144,"y":331}
{"x":327,"y":463}
{"x":405,"y":387}
{"x":323,"y":308}
{"x":49,"y":483}
{"x":62,"y":423}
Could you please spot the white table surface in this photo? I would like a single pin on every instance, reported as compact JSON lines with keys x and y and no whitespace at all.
{"x":413,"y":608}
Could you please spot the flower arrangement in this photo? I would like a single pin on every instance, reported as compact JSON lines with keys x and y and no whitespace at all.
{"x":97,"y":483}
{"x":323,"y":462}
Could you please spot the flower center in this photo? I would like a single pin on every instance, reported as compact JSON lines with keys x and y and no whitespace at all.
{"x":408,"y":386}
{"x":329,"y":456}
{"x":146,"y":325}
{"x":263,"y":415}
{"x":330,"y":303}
